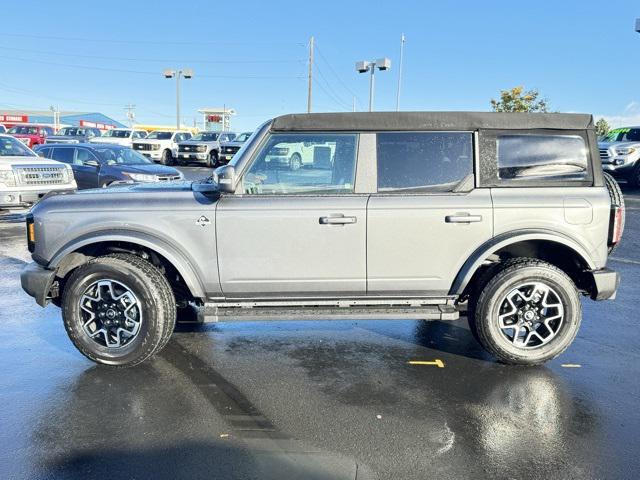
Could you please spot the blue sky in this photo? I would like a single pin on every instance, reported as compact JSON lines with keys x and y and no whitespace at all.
{"x":583,"y":56}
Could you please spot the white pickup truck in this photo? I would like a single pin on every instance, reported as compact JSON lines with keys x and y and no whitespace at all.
{"x":120,"y":136}
{"x":161,"y":146}
{"x":25,"y":177}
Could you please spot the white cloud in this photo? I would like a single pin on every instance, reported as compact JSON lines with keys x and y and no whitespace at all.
{"x":629,"y":117}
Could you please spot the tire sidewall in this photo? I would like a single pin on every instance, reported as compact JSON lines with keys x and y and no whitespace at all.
{"x":488,"y":311}
{"x":295,"y":163}
{"x":150,"y":328}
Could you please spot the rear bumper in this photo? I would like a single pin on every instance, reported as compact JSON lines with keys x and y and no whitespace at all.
{"x":605,"y":283}
{"x":37,"y":282}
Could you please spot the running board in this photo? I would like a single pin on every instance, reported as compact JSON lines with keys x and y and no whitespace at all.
{"x":216,"y":313}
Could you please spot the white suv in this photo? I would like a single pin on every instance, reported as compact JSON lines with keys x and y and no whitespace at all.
{"x":161,"y":145}
{"x":25,"y":178}
{"x":120,"y":136}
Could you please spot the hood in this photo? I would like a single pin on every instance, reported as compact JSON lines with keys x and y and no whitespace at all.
{"x":150,"y":169}
{"x":23,"y":135}
{"x":116,"y":141}
{"x":198,"y":142}
{"x":617,"y":144}
{"x":29,"y":161}
{"x":147,"y":141}
{"x":66,"y":137}
{"x":233,"y":144}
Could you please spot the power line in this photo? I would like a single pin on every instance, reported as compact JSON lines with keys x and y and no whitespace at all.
{"x":141,"y":72}
{"x":150,"y":60}
{"x":330,"y":91}
{"x":145,"y":42}
{"x":338,"y":76}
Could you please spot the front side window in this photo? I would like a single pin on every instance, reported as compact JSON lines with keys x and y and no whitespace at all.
{"x":423,"y":162}
{"x":319,"y":163}
{"x":534,"y":157}
{"x":82,"y":156}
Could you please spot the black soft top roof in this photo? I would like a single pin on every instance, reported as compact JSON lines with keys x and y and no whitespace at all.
{"x":416,"y":121}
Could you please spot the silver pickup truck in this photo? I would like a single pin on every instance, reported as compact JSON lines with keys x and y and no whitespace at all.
{"x":505,"y":216}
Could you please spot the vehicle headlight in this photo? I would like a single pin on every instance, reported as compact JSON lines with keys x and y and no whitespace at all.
{"x":155,"y":146}
{"x":8,"y":178}
{"x":142,"y":177}
{"x":202,"y":148}
{"x":625,"y":150}
{"x":69,"y":178}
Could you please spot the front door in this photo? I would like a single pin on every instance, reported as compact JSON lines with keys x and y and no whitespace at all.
{"x":427,"y":217}
{"x":295,"y":231}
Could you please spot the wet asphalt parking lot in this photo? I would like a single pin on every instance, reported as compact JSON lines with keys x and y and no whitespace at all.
{"x":316,"y":400}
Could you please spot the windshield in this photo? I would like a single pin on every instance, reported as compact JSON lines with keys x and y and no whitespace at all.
{"x":72,"y":131}
{"x":243,"y":137}
{"x":206,"y":136}
{"x":121,"y":156}
{"x":10,"y":147}
{"x":118,"y":133}
{"x":24,"y":130}
{"x":160,"y":135}
{"x":623,"y":135}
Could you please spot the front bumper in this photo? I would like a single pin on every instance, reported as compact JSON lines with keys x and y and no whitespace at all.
{"x":193,"y":156}
{"x":37,"y":282}
{"x":605,"y":284}
{"x":19,"y":198}
{"x":152,"y":154}
{"x":621,"y":170}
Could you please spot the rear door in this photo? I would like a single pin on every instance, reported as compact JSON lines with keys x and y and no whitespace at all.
{"x":295,"y":233}
{"x":427,"y":216}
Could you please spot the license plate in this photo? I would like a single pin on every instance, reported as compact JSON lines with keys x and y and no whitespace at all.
{"x":184,"y":155}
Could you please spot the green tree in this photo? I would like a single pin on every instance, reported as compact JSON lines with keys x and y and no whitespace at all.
{"x":517,"y":100}
{"x":602,"y":127}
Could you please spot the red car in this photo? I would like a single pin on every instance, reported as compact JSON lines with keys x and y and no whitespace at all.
{"x":31,"y":135}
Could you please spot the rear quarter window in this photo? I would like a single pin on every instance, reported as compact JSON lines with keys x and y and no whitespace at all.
{"x":524,"y":158}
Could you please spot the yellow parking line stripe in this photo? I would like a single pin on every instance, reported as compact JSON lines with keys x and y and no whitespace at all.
{"x":436,"y":363}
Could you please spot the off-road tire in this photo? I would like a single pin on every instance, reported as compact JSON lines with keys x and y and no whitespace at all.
{"x":486,"y":308}
{"x":166,"y":158}
{"x":148,"y":284}
{"x":617,"y":198}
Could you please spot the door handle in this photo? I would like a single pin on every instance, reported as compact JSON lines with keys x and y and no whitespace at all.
{"x":337,"y":220}
{"x":463,"y":218}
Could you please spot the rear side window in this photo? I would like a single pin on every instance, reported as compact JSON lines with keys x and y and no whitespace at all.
{"x":423,"y":162}
{"x":63,"y":155}
{"x":535,"y":157}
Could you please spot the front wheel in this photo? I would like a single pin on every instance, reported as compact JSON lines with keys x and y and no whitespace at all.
{"x":528,"y":313}
{"x":213,"y":159}
{"x":167,"y":158}
{"x":295,"y":162}
{"x":118,"y":309}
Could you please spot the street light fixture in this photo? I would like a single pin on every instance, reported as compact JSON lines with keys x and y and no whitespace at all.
{"x":364,"y":67}
{"x":186,"y":73}
{"x":638,"y":25}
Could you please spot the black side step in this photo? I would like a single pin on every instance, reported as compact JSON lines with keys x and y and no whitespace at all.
{"x":215,"y":313}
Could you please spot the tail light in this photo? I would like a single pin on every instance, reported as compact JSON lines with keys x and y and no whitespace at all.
{"x":615,"y":225}
{"x":31,"y":233}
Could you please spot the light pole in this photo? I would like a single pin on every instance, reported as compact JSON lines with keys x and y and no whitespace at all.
{"x":638,"y":25}
{"x":364,"y":66}
{"x":186,"y":73}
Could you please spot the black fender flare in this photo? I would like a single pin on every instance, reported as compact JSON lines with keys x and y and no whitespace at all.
{"x":476,"y":259}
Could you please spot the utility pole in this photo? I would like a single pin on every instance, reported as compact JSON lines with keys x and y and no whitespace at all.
{"x":400,"y":72}
{"x":310,"y":87}
{"x":131,"y":114}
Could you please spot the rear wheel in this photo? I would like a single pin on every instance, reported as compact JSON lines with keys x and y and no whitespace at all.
{"x":528,"y":313}
{"x":118,"y":309}
{"x":617,"y":198}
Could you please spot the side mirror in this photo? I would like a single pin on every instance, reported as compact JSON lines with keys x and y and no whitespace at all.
{"x":227,"y":179}
{"x":91,"y":163}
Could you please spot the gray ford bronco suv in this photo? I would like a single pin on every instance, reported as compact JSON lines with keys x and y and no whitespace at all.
{"x":417,"y":215}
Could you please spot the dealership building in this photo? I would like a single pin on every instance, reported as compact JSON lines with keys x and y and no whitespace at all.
{"x":9,"y":118}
